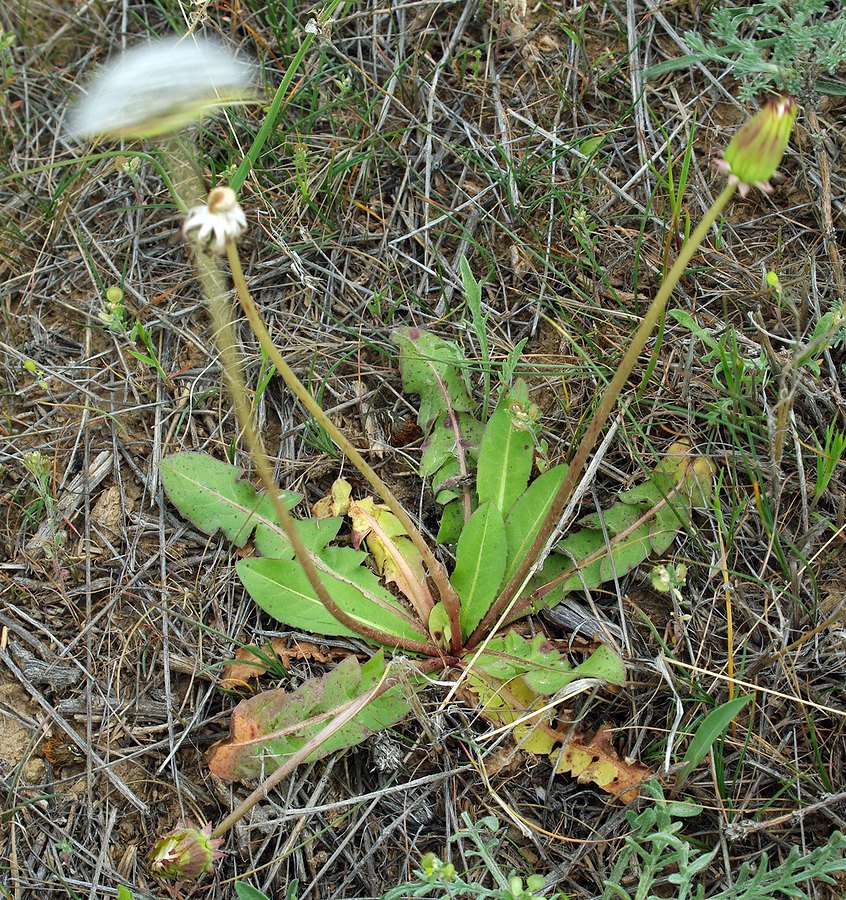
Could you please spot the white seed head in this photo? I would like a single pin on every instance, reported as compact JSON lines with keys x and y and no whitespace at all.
{"x":157,"y":88}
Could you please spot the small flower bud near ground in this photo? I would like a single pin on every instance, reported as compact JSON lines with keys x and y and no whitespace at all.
{"x":185,"y":853}
{"x":219,"y":221}
{"x":756,"y":151}
{"x":436,"y":870}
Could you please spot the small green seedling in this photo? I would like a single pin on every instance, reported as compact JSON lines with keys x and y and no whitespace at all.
{"x":151,"y":357}
{"x":41,"y":500}
{"x":712,"y":727}
{"x":437,"y":879}
{"x":37,"y":373}
{"x":829,"y":457}
{"x":113,"y":314}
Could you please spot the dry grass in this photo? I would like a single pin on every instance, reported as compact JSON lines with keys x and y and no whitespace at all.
{"x":463,"y":132}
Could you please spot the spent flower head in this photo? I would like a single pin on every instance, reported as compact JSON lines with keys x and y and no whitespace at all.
{"x":755,"y":152}
{"x":185,"y":853}
{"x":217,"y":222}
{"x":160,"y":87}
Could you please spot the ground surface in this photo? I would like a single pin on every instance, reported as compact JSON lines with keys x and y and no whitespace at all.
{"x":525,"y":140}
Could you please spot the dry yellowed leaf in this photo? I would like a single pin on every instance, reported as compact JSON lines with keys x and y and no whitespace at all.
{"x":596,"y":760}
{"x":593,"y":760}
{"x":335,"y":503}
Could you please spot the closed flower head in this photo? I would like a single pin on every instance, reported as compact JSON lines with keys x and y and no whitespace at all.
{"x":185,"y":853}
{"x":158,"y":88}
{"x":213,"y":225}
{"x":757,"y":149}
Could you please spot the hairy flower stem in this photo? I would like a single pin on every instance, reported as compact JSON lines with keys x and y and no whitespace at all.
{"x":215,"y":291}
{"x":254,"y":317}
{"x":501,"y":608}
{"x":186,"y":184}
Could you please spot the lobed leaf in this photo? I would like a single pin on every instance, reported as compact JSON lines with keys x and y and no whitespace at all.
{"x":315,"y":533}
{"x":434,"y":369}
{"x":566,"y":567}
{"x":213,"y":496}
{"x":644,"y":521}
{"x":596,"y":760}
{"x":441,"y":447}
{"x":396,"y":558}
{"x":336,"y":502}
{"x":541,"y":667}
{"x":506,"y":702}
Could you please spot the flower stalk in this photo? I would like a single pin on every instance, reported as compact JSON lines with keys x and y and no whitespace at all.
{"x":214,"y":288}
{"x":503,"y":606}
{"x":324,"y":17}
{"x":254,"y":317}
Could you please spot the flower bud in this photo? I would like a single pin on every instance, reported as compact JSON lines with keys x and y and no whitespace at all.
{"x":535,"y":883}
{"x":757,"y":149}
{"x":435,"y":870}
{"x":515,"y":885}
{"x":185,"y":853}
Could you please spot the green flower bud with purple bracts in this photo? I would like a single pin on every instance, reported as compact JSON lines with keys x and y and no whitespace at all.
{"x":185,"y":853}
{"x":757,"y":149}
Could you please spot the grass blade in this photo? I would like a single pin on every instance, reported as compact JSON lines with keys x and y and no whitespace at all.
{"x":712,"y":726}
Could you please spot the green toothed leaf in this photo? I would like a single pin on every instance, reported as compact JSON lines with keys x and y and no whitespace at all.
{"x":434,"y":369}
{"x":268,"y":728}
